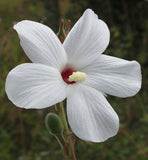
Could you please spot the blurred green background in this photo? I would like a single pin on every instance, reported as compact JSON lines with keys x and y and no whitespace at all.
{"x":23,"y":135}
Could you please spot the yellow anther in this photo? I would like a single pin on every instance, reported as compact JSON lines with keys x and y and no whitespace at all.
{"x":77,"y":77}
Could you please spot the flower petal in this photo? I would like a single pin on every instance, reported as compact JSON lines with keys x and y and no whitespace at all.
{"x":41,"y":44}
{"x":33,"y":85}
{"x":114,"y":76}
{"x":90,"y":115}
{"x":87,"y":39}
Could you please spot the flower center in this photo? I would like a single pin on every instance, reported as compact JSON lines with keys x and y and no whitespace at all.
{"x":77,"y":77}
{"x":70,"y":76}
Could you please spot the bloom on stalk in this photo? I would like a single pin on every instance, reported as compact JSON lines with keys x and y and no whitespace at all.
{"x":76,"y":70}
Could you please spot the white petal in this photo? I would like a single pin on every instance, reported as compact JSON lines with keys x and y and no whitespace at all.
{"x":87,"y":39}
{"x":41,"y":44}
{"x":114,"y":76}
{"x":32,"y":85}
{"x":90,"y":115}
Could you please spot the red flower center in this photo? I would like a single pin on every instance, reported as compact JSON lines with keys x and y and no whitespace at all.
{"x":66,"y":73}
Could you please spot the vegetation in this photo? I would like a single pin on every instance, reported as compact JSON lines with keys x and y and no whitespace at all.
{"x":23,"y":135}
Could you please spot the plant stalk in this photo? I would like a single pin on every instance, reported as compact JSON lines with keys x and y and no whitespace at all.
{"x":70,"y":144}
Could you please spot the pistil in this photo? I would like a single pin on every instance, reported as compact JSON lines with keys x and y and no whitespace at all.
{"x":77,"y":77}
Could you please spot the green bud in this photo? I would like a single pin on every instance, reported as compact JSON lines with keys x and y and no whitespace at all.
{"x":53,"y":123}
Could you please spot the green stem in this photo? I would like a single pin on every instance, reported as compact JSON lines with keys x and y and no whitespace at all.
{"x":58,"y":141}
{"x":70,"y":144}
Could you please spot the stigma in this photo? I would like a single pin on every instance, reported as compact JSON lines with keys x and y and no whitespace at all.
{"x":77,"y":77}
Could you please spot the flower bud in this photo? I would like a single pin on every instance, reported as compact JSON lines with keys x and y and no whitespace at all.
{"x":53,"y":123}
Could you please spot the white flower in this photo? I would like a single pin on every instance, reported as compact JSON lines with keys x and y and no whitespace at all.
{"x":46,"y":81}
